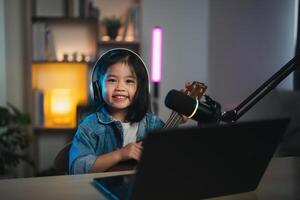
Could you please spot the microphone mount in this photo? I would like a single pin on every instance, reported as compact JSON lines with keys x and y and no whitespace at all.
{"x":214,"y":106}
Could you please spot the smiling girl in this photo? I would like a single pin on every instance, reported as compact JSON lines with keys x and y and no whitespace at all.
{"x":109,"y":136}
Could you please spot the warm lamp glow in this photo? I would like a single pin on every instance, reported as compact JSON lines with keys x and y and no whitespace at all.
{"x":105,"y":38}
{"x":61,"y":105}
{"x":64,"y":86}
{"x":61,"y":101}
{"x":129,"y":38}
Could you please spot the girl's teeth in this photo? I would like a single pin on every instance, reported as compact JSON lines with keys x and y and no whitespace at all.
{"x":120,"y":97}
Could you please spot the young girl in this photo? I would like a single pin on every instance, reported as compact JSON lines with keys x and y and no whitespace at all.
{"x":110,"y":135}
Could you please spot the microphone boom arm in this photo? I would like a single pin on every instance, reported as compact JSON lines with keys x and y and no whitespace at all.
{"x":259,"y":93}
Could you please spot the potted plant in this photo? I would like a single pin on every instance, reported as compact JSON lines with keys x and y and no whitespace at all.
{"x":112,"y":25}
{"x":13,"y":138}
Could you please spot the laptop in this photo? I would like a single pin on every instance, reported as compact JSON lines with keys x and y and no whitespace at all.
{"x":199,"y":162}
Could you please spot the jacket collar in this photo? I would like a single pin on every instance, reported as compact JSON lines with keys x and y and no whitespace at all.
{"x":103,"y":116}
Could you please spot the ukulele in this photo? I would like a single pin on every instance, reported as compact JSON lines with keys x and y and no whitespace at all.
{"x":196,"y":90}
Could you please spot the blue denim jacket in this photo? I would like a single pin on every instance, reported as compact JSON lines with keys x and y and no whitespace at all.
{"x":99,"y":134}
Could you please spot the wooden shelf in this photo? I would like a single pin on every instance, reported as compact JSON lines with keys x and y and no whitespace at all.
{"x":64,"y":19}
{"x":58,"y":62}
{"x":112,"y":42}
{"x":106,"y":45}
{"x":53,"y":130}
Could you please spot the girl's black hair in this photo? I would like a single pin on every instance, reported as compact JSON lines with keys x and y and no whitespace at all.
{"x":141,"y":100}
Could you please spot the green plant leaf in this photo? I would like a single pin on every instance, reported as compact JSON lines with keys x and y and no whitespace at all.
{"x":13,"y":137}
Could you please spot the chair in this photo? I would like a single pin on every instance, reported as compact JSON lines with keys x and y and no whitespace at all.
{"x":61,"y":161}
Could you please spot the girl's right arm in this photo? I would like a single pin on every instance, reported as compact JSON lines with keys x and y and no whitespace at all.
{"x":106,"y":161}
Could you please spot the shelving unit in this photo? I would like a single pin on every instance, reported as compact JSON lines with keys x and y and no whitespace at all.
{"x":69,"y":50}
{"x":62,"y":72}
{"x":54,"y":69}
{"x":60,"y":81}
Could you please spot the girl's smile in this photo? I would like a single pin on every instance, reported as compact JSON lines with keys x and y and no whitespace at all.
{"x":120,"y":98}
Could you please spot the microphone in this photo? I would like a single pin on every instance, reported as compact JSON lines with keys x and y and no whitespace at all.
{"x":192,"y":108}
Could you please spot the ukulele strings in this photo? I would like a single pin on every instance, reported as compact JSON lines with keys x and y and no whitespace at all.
{"x":173,"y":121}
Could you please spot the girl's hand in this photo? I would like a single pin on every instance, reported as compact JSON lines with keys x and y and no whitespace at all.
{"x":185,"y":118}
{"x":131,"y":151}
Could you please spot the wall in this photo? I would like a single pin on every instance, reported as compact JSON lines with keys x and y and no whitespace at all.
{"x":185,"y":42}
{"x":232,"y":46}
{"x":15,"y":52}
{"x":249,"y":41}
{"x":15,"y":61}
{"x":112,"y":8}
{"x":2,"y":56}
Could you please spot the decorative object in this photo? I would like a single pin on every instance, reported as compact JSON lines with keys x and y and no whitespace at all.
{"x":13,"y":138}
{"x":112,"y":25}
{"x":71,"y":80}
{"x":61,"y":106}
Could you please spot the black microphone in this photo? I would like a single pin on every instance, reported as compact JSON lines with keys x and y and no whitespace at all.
{"x":192,"y":108}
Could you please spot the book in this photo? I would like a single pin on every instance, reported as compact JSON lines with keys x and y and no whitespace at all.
{"x":39,"y":41}
{"x":53,"y":8}
{"x":50,"y":46}
{"x":38,"y":106}
{"x":73,"y":8}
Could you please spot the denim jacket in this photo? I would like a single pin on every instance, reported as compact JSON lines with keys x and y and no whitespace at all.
{"x":99,"y":134}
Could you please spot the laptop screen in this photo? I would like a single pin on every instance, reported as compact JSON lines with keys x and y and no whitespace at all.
{"x":211,"y":161}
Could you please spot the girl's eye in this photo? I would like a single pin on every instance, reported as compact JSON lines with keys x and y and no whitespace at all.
{"x":130,"y":81}
{"x":111,"y":80}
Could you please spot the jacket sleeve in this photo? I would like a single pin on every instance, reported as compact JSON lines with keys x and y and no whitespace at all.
{"x":155,"y":122}
{"x":158,"y":123}
{"x":82,"y":153}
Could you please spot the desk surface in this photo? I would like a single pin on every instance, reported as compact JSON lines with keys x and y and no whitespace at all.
{"x":63,"y":187}
{"x":281,"y":181}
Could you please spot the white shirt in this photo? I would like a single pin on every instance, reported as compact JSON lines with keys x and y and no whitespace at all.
{"x":129,"y":131}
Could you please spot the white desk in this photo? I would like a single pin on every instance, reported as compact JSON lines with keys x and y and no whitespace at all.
{"x":280,"y":182}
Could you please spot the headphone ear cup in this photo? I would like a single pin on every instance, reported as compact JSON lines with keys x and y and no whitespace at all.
{"x":96,"y":92}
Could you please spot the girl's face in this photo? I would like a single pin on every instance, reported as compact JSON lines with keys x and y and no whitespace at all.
{"x":119,"y":85}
